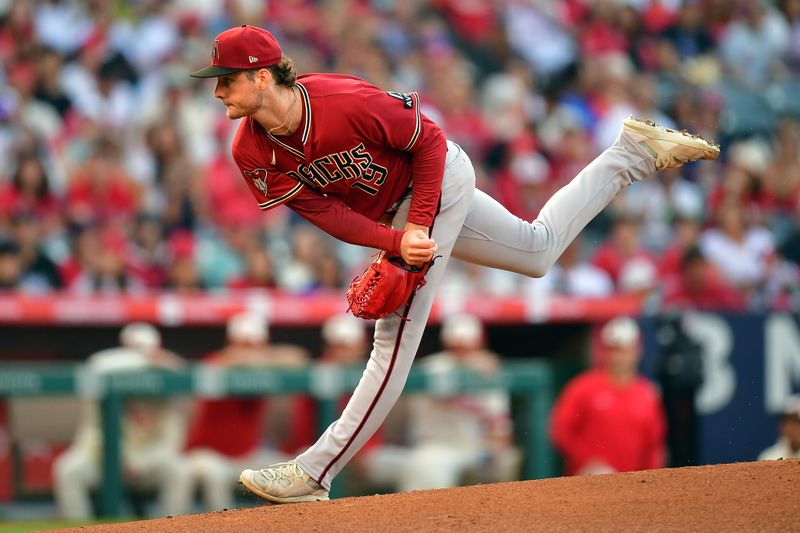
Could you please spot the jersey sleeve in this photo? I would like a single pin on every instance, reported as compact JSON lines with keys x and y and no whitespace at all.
{"x":270,"y":187}
{"x":335,"y":218}
{"x":395,"y":120}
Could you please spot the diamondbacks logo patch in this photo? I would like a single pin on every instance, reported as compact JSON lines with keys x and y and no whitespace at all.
{"x":259,"y":178}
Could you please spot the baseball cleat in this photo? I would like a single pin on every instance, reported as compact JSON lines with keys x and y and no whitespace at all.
{"x":669,"y":148}
{"x":283,"y":483}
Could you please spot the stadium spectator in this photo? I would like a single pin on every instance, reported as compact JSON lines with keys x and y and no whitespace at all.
{"x":147,"y":251}
{"x":754,"y":43}
{"x":539,"y":34}
{"x":791,"y":10}
{"x":744,"y":179}
{"x":782,"y":173}
{"x":689,"y":34}
{"x":181,"y":202}
{"x":788,"y":444}
{"x":686,"y":235}
{"x":572,"y":276}
{"x":524,"y":181}
{"x":740,"y":251}
{"x":309,"y":248}
{"x":152,"y":433}
{"x":661,"y":202}
{"x":696,"y":284}
{"x":49,"y":89}
{"x":225,"y":434}
{"x":28,"y":193}
{"x":623,"y":246}
{"x":182,"y":271}
{"x":259,"y":271}
{"x":228,"y":199}
{"x":105,"y":270}
{"x":101,"y":192}
{"x":10,"y":266}
{"x":611,"y":419}
{"x":638,"y":278}
{"x":790,"y":247}
{"x":39,"y":272}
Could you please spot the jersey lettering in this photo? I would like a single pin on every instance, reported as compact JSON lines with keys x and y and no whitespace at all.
{"x":354,"y":165}
{"x":408,"y":102}
{"x":366,"y":188}
{"x":347,"y":164}
{"x":328,"y":169}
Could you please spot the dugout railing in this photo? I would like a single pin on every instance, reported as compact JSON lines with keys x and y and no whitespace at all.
{"x":529,"y":382}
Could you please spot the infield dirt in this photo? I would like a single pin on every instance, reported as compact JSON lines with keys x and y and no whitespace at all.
{"x":761,"y":496}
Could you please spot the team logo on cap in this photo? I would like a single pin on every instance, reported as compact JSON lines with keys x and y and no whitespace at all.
{"x":215,"y":50}
{"x":259,"y":179}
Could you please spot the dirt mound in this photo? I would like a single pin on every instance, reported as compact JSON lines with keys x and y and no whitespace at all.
{"x":739,"y":497}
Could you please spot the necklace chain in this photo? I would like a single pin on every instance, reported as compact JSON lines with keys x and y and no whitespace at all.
{"x":289,"y":115}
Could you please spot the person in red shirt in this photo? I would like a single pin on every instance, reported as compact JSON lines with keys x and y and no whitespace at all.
{"x":369,"y":168}
{"x":100,"y":192}
{"x":28,"y":193}
{"x":227,"y":433}
{"x":611,"y":419}
{"x":623,"y":247}
{"x":698,"y":285}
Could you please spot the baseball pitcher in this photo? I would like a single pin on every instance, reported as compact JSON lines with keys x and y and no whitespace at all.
{"x":366,"y":166}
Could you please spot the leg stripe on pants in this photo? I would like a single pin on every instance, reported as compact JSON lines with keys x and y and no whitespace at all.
{"x":377,"y":395}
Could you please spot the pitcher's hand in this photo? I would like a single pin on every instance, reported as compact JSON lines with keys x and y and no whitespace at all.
{"x":415,"y":246}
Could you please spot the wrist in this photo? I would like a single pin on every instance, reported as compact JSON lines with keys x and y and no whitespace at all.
{"x":410,"y":226}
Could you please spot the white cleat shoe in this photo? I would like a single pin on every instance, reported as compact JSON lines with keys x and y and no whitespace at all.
{"x":668,"y":147}
{"x":283,"y":483}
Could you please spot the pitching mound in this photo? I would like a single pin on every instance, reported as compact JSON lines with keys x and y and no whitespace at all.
{"x":739,"y":497}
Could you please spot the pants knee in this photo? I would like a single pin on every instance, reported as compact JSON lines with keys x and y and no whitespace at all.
{"x":539,"y":266}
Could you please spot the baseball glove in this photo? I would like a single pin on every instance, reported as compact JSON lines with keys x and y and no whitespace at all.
{"x":384,"y":286}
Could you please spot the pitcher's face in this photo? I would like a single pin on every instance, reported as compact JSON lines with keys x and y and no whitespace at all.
{"x":239,"y":94}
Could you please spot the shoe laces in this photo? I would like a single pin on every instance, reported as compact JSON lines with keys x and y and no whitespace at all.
{"x":282,"y":470}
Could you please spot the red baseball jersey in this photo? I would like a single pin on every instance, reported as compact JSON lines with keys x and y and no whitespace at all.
{"x":357,"y":152}
{"x":624,"y":426}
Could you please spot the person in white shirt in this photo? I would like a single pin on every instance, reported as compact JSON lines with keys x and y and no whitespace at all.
{"x":788,"y":443}
{"x":742,"y":253}
{"x":152,"y":433}
{"x":571,"y":276}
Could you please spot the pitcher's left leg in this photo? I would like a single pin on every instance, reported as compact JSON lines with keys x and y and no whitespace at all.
{"x":494,"y":237}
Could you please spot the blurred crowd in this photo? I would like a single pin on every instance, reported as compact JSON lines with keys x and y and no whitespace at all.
{"x":117,"y":177}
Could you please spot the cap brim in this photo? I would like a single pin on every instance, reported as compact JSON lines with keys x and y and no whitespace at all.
{"x":212,"y":71}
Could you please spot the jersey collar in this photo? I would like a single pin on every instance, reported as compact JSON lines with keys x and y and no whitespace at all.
{"x":307,"y":107}
{"x":306,"y":127}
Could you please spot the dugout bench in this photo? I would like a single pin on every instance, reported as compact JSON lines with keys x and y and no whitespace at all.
{"x":530,"y":383}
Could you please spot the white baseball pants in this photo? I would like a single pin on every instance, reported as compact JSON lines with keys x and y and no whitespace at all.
{"x":471,"y":226}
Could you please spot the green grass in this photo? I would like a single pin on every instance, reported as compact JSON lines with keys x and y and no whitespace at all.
{"x":24,"y":526}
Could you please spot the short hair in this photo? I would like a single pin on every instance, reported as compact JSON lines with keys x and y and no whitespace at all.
{"x":283,"y":72}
